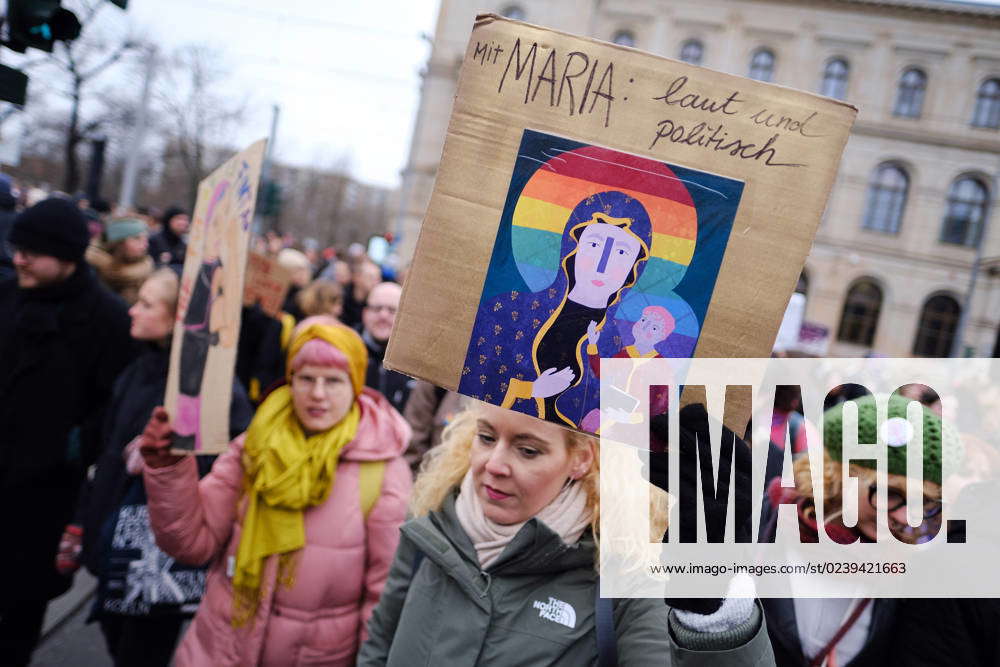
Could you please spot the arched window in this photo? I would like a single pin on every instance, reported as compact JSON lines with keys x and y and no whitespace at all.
{"x":886,"y":198}
{"x":513,"y":12}
{"x":835,"y":79}
{"x":860,"y":316}
{"x":762,"y":65}
{"x":963,"y":221}
{"x":987,"y":113}
{"x":936,"y":328}
{"x":910,"y":94}
{"x":624,"y":38}
{"x":692,"y":51}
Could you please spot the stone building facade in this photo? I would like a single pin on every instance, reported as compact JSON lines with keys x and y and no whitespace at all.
{"x":914,"y":208}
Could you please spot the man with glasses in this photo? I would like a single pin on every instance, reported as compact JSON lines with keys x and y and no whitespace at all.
{"x":377,"y":319}
{"x":63,"y":340}
{"x":855,"y":632}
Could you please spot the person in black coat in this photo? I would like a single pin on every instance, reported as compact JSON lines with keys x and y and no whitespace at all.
{"x":951,"y":632}
{"x":63,"y":341}
{"x":954,"y":632}
{"x":364,"y":277}
{"x":378,"y":318}
{"x":8,"y":205}
{"x":143,"y":596}
{"x":168,"y":246}
{"x":259,"y":357}
{"x":869,"y":639}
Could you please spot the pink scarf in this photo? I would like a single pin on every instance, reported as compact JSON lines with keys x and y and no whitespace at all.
{"x":567,"y":516}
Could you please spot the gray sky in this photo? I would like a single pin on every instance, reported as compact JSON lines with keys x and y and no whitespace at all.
{"x":345,"y":73}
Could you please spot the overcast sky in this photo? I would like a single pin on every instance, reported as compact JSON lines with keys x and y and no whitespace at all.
{"x":345,"y":73}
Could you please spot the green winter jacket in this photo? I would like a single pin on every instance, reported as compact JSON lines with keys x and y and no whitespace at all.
{"x":533,"y":606}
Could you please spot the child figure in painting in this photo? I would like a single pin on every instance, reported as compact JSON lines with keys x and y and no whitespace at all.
{"x":527,"y":348}
{"x":655,"y":325}
{"x":206,"y":324}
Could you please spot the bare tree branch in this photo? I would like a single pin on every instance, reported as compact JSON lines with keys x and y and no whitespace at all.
{"x":91,"y":10}
{"x":115,"y":56}
{"x":200,"y":118}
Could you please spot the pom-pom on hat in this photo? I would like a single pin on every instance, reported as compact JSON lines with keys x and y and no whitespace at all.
{"x":54,"y":227}
{"x":940,"y":440}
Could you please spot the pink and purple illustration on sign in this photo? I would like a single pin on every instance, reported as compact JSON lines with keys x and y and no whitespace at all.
{"x":599,"y":253}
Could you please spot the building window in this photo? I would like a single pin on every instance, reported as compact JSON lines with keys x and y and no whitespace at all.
{"x":963,"y":221}
{"x":860,"y":316}
{"x":692,"y":51}
{"x":513,"y":12}
{"x":624,"y":38}
{"x":835,"y":79}
{"x":886,"y":199}
{"x":987,"y":112}
{"x":936,"y":329}
{"x":910,"y":96}
{"x":762,"y":65}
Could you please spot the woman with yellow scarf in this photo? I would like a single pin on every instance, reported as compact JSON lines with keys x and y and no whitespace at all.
{"x":299,"y":520}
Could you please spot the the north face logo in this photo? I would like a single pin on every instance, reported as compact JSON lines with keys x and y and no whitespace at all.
{"x":557,"y":611}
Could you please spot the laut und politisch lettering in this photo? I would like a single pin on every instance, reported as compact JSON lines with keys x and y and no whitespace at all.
{"x":713,"y":134}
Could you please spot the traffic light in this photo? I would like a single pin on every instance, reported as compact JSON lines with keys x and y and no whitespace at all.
{"x":39,"y":24}
{"x":269,"y":203}
{"x":13,"y":85}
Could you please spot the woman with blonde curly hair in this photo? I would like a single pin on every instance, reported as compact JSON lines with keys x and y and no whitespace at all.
{"x":498,"y":565}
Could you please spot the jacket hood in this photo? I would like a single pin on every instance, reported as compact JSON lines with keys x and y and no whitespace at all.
{"x":382,"y":432}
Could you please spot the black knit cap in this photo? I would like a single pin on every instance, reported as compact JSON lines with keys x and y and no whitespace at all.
{"x":54,"y":227}
{"x":170,"y":213}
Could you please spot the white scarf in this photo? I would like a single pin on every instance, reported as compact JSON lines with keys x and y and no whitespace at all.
{"x":567,"y":516}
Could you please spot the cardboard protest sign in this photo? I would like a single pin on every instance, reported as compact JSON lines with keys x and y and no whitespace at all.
{"x":199,"y":385}
{"x":594,"y":201}
{"x":266,"y":283}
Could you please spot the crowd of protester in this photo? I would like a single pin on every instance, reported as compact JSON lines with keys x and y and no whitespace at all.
{"x":308,"y":541}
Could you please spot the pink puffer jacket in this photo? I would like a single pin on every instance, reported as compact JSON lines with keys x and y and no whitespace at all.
{"x":339,"y":575}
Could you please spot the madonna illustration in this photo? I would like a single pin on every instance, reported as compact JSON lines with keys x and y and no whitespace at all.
{"x":593,"y":246}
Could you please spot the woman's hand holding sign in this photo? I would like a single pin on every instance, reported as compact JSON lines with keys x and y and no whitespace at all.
{"x":155,"y":441}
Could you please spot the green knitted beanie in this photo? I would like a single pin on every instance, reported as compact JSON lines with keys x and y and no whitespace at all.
{"x":895,"y":433}
{"x":123,"y":228}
